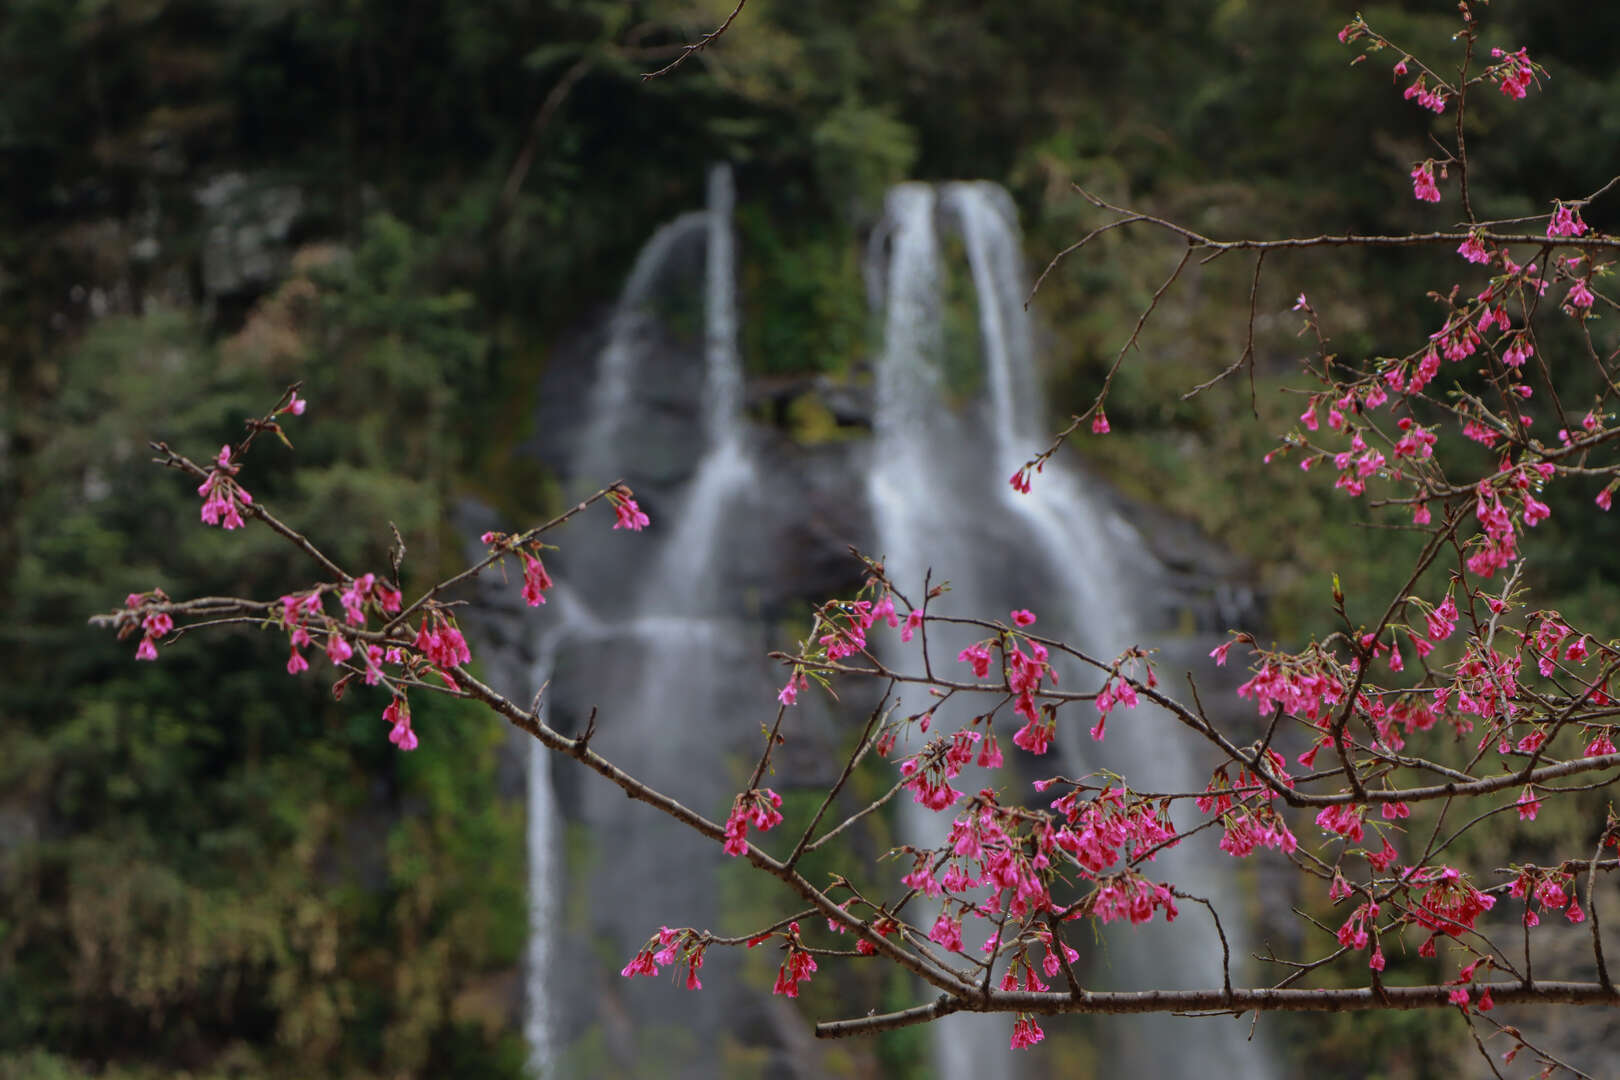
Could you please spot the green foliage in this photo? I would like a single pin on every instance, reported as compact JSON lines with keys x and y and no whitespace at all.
{"x":255,"y":862}
{"x":802,"y":301}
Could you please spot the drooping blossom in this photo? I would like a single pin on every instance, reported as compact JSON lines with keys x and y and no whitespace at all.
{"x":1026,"y":1032}
{"x":398,"y":713}
{"x":441,"y":642}
{"x":1423,"y":186}
{"x":1132,"y":897}
{"x":535,"y":580}
{"x":1580,"y":297}
{"x":789,"y":694}
{"x":1513,"y":74}
{"x":1433,"y":100}
{"x":946,"y":933}
{"x":1566,"y":221}
{"x":1449,"y":904}
{"x":797,"y":966}
{"x":757,"y":807}
{"x":977,"y":657}
{"x":1342,"y":819}
{"x":1518,"y":351}
{"x":626,"y":513}
{"x":338,"y":648}
{"x":223,"y":497}
{"x":155,"y":625}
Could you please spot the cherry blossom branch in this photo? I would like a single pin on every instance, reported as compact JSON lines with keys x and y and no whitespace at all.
{"x":1136,"y":1002}
{"x":174,"y":460}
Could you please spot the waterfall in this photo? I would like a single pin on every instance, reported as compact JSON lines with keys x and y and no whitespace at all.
{"x":629,"y":330}
{"x":683,"y":581}
{"x":657,"y":634}
{"x":916,"y":466}
{"x":667,"y":663}
{"x":542,"y":844}
{"x":939,"y":487}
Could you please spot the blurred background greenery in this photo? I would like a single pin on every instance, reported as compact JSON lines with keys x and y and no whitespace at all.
{"x":406,"y":205}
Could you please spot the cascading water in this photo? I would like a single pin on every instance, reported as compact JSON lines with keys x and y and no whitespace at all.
{"x":543,"y":842}
{"x":917,"y":462}
{"x":629,"y":338}
{"x":664,"y":676}
{"x":941,"y":489}
{"x":674,"y":663}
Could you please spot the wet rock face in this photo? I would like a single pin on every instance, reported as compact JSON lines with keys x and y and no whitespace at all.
{"x":248,"y":223}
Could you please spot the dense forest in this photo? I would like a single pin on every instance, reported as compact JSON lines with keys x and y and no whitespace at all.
{"x":206,"y":866}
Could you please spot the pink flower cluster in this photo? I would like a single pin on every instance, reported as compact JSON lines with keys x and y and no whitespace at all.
{"x":440,"y":640}
{"x":1248,"y":829}
{"x":398,"y":714}
{"x":1024,"y":675}
{"x":1565,"y":221}
{"x":1343,"y":820}
{"x":1499,"y":546}
{"x":535,"y":580}
{"x":797,"y":966}
{"x":1550,"y":890}
{"x":661,"y":949}
{"x":756,"y":806}
{"x":367,"y":590}
{"x":1132,"y":897}
{"x":1096,"y":830}
{"x":154,"y":624}
{"x":222,"y":496}
{"x":1449,"y":904}
{"x":1026,"y":1032}
{"x":1433,"y":100}
{"x":1303,"y":685}
{"x":296,"y":611}
{"x":1473,"y":249}
{"x":988,"y":847}
{"x":1354,"y":933}
{"x":928,"y":773}
{"x":1514,"y":74}
{"x":1423,"y":186}
{"x":626,"y":513}
{"x":847,"y":622}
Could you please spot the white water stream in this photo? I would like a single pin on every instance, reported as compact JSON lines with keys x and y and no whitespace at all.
{"x":932,"y":494}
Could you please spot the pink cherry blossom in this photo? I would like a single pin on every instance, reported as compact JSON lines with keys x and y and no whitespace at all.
{"x":1423,"y":186}
{"x":1580,"y":298}
{"x":626,"y":513}
{"x":223,"y":497}
{"x":398,"y":714}
{"x":535,"y":580}
{"x":1566,"y":222}
{"x":1513,"y":74}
